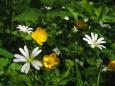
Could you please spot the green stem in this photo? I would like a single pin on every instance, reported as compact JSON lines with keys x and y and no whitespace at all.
{"x":99,"y":72}
{"x":24,"y":38}
{"x":79,"y":78}
{"x":46,"y":84}
{"x":98,"y":78}
{"x":67,"y":73}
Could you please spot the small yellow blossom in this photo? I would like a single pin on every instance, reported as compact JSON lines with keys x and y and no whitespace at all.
{"x":50,"y":61}
{"x":111,"y":66}
{"x":40,"y":35}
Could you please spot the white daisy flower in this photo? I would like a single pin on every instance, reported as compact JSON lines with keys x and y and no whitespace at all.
{"x":104,"y":68}
{"x":74,"y":29}
{"x":66,"y":18}
{"x":25,"y":29}
{"x":104,"y":25}
{"x":86,"y":20}
{"x":28,"y":59}
{"x":48,"y":8}
{"x":93,"y":41}
{"x":56,"y":50}
{"x":79,"y":62}
{"x":63,"y":7}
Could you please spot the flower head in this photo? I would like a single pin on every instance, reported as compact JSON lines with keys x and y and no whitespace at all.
{"x":28,"y":59}
{"x":104,"y":25}
{"x":50,"y":61}
{"x":48,"y":8}
{"x":93,"y":41}
{"x":111,"y":66}
{"x":57,"y":51}
{"x":74,"y":29}
{"x":81,"y":24}
{"x":25,"y":29}
{"x":66,"y":18}
{"x":40,"y":36}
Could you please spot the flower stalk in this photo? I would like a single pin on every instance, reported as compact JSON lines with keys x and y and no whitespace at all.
{"x":79,"y":78}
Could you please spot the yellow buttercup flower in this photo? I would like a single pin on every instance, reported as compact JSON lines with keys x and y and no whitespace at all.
{"x":40,"y":35}
{"x":111,"y":66}
{"x":50,"y":61}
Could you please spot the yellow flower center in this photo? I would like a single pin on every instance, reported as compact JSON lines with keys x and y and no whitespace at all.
{"x":30,"y":59}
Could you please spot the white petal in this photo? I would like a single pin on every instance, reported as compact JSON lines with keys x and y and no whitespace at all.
{"x":29,"y":32}
{"x":85,"y":39}
{"x":88,"y":41}
{"x":92,"y":45}
{"x":19,"y":60}
{"x":101,"y":46}
{"x":20,"y":27}
{"x":38,"y":52}
{"x":37,"y":64}
{"x":26,"y":51}
{"x":93,"y":36}
{"x":25,"y":68}
{"x":100,"y":39}
{"x":29,"y":29}
{"x":96,"y":36}
{"x":23,"y":52}
{"x":88,"y":37}
{"x":18,"y":56}
{"x":35,"y":50}
{"x":100,"y":42}
{"x":26,"y":27}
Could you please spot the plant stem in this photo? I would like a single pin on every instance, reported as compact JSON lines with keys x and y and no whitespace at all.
{"x":98,"y":78}
{"x":46,"y":84}
{"x":99,"y":73}
{"x":79,"y":78}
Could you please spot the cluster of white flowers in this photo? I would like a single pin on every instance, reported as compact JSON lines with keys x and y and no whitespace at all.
{"x":79,"y":62}
{"x":104,"y":25}
{"x":48,"y":8}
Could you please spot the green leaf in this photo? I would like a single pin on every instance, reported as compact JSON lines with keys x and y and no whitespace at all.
{"x":113,"y":46}
{"x":30,"y":14}
{"x":91,"y":61}
{"x":5,"y":53}
{"x":3,"y":63}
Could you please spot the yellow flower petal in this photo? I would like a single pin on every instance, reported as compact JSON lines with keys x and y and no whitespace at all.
{"x":111,"y":66}
{"x":50,"y":61}
{"x":40,"y":35}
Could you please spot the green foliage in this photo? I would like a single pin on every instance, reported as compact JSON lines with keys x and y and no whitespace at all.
{"x":5,"y":53}
{"x":80,"y":65}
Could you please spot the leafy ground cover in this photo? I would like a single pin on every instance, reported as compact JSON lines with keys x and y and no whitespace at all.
{"x":57,"y":43}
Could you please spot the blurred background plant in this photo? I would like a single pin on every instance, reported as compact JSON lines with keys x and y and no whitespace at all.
{"x":66,"y":22}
